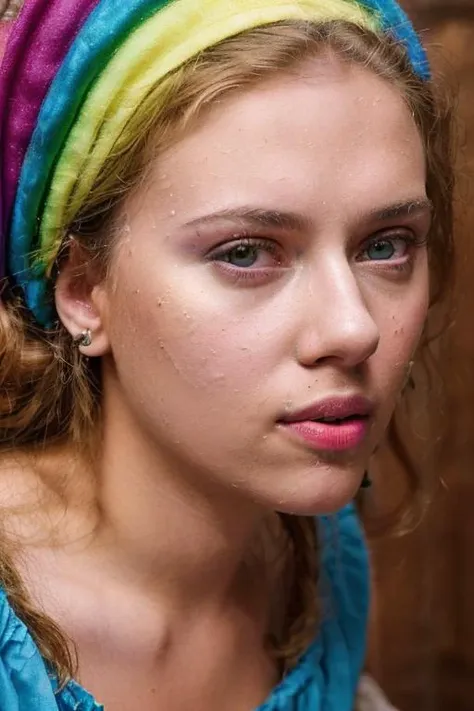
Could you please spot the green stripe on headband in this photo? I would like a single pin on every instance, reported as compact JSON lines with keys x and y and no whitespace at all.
{"x":157,"y":47}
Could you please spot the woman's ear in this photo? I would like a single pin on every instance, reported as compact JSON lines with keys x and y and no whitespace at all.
{"x":81,"y":301}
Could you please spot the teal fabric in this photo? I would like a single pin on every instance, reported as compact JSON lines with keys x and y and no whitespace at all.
{"x":324,"y":680}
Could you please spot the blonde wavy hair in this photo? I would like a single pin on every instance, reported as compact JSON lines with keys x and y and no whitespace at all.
{"x":48,"y":394}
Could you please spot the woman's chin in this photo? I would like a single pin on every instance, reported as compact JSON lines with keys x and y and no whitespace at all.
{"x":320,"y":500}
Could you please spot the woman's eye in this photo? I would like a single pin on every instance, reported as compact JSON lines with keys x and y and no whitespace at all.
{"x":248,"y":254}
{"x":383,"y":249}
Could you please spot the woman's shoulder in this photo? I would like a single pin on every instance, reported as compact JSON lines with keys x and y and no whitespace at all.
{"x":25,"y":682}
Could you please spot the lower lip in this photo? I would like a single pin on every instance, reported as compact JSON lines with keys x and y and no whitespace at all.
{"x":326,"y":437}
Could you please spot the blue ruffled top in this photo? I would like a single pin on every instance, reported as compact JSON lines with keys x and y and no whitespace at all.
{"x":325,"y":678}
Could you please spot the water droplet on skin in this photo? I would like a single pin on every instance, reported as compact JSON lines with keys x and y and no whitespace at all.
{"x":173,"y":213}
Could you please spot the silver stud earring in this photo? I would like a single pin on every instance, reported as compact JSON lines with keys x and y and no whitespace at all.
{"x":84,"y":339}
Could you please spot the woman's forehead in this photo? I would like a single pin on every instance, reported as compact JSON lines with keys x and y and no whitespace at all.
{"x":290,"y":141}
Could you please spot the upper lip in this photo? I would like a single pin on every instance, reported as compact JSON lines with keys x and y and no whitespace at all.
{"x":337,"y":407}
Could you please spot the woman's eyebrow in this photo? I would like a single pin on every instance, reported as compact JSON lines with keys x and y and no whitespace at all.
{"x":405,"y":208}
{"x":256,"y":216}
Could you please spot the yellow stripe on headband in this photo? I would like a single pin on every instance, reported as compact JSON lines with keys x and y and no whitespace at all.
{"x":160,"y":45}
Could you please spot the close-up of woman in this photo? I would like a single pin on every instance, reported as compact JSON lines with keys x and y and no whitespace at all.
{"x":223,"y":226}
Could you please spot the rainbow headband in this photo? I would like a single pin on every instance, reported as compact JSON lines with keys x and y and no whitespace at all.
{"x":72,"y":73}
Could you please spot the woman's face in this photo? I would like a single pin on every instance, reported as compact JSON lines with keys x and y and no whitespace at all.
{"x":270,"y":289}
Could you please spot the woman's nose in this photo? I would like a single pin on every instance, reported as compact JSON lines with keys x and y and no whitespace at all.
{"x":337,"y":322}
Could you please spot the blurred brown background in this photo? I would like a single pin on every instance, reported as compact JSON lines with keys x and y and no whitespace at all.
{"x":422,"y":641}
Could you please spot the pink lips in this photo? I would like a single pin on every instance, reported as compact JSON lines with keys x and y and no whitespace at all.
{"x":352,"y":419}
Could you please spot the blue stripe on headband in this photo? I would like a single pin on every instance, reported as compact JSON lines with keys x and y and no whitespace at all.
{"x":396,"y":21}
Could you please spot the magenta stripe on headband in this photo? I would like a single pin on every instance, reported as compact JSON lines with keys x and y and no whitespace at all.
{"x":35,"y":50}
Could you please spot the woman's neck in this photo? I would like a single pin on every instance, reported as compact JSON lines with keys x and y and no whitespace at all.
{"x":137,"y":520}
{"x":186,"y":543}
{"x":164,"y":522}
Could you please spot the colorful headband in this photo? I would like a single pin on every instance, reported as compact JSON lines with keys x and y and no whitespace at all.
{"x":73,"y":73}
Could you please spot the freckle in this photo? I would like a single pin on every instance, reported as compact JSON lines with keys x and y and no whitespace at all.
{"x":159,"y":302}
